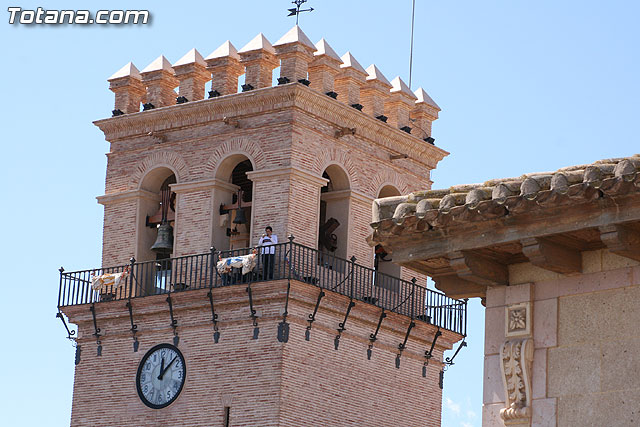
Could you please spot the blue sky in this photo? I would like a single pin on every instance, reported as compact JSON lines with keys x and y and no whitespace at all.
{"x":524,"y":86}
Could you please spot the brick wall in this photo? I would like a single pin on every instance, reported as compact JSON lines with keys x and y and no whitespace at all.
{"x":265,"y":382}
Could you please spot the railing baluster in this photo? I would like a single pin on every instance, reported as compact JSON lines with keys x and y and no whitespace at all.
{"x":292,"y":261}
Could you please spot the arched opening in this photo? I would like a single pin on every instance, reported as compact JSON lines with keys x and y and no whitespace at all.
{"x":156,"y":230}
{"x":382,"y":260}
{"x":158,"y":214}
{"x":333,"y":217}
{"x":388,"y":191}
{"x":232,"y":227}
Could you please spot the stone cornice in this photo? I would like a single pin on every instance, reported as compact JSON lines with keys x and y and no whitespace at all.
{"x":361,"y":197}
{"x":351,"y":194}
{"x":122,"y":196}
{"x":269,"y":99}
{"x":206,"y":184}
{"x":336,"y":195}
{"x":299,"y":173}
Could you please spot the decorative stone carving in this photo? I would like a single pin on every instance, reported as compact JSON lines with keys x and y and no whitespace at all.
{"x":518,"y":320}
{"x":516,"y":362}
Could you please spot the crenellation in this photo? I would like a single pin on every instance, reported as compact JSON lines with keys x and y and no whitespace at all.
{"x":349,"y":81}
{"x":295,"y":52}
{"x":400,"y":103}
{"x":225,"y":68}
{"x":423,"y":114}
{"x":375,"y":93}
{"x":259,"y":59}
{"x":324,"y":68}
{"x":159,"y":78}
{"x":127,"y":85}
{"x":191,"y":72}
{"x":300,"y":61}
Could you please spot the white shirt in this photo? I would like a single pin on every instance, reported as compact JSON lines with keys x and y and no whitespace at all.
{"x":267,"y":241}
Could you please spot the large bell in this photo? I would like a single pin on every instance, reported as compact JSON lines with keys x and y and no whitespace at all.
{"x":164,"y":242}
{"x":240,"y":217}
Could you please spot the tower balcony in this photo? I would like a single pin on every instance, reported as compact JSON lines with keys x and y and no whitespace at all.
{"x":287,"y":262}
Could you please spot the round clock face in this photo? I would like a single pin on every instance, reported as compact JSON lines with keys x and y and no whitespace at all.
{"x":161,"y":375}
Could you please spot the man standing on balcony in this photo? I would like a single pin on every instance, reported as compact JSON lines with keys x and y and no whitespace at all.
{"x":268,"y":252}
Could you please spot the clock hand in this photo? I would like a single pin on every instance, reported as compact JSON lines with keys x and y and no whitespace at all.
{"x":161,"y":369}
{"x":164,"y":371}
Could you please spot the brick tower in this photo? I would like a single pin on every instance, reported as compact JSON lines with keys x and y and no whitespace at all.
{"x":325,"y":332}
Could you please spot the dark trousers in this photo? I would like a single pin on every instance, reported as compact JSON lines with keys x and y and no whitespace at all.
{"x":267,"y":265}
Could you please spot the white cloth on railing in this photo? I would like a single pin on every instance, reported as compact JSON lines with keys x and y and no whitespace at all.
{"x":246,"y":262}
{"x":100,"y":283}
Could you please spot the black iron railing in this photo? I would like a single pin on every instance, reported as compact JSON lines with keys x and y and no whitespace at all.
{"x":286,"y":261}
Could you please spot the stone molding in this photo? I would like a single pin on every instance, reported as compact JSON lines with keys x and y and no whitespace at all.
{"x":336,"y":195}
{"x":348,"y":194}
{"x":261,"y":100}
{"x":361,"y":197}
{"x":206,"y":184}
{"x":123,"y":196}
{"x":261,"y":175}
{"x":516,"y":363}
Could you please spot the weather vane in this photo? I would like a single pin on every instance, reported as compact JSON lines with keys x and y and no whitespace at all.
{"x":296,"y":10}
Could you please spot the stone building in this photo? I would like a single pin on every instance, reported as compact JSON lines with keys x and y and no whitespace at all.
{"x":332,"y":333}
{"x":555,"y":258}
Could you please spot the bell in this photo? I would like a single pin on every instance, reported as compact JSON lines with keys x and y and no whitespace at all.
{"x":240,"y":217}
{"x":164,"y":242}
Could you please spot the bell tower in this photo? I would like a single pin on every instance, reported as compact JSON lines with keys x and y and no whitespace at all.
{"x":187,"y":322}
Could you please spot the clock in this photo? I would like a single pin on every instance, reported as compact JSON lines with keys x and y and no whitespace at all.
{"x":161,"y":376}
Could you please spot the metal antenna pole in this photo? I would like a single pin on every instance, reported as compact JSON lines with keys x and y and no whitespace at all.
{"x":413,"y":14}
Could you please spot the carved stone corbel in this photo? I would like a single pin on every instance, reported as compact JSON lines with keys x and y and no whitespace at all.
{"x":478,"y":269}
{"x":551,"y":256}
{"x":621,"y":240}
{"x":516,"y":362}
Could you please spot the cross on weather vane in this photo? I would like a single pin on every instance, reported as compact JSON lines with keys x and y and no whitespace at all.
{"x":296,"y":10}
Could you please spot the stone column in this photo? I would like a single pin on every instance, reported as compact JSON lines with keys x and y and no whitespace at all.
{"x":359,"y":230}
{"x":295,"y":196}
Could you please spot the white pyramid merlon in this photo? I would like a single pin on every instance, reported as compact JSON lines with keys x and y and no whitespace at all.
{"x":191,"y":57}
{"x":399,"y":86}
{"x":423,"y":97}
{"x":348,"y":61}
{"x":128,"y":70}
{"x":323,"y":48}
{"x":224,"y":50}
{"x":160,"y":63}
{"x":295,"y":35}
{"x":376,"y":74}
{"x":259,"y":42}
